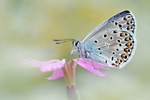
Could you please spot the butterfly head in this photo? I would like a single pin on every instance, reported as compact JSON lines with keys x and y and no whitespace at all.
{"x":77,"y":45}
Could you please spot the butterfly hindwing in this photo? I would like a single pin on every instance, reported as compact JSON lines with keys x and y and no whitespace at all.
{"x":113,"y":41}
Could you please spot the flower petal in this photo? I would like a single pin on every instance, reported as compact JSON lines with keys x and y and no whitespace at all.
{"x":51,"y":67}
{"x":45,"y":66}
{"x":87,"y":64}
{"x":34,"y":63}
{"x":56,"y":74}
{"x":96,"y":72}
{"x":84,"y":62}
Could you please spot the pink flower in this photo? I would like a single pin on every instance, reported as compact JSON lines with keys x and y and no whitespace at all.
{"x":63,"y":68}
{"x":68,"y":70}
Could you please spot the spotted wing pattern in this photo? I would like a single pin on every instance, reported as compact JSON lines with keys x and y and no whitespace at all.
{"x":113,"y":42}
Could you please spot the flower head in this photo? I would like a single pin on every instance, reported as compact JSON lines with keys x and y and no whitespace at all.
{"x":61,"y":68}
{"x":68,"y":70}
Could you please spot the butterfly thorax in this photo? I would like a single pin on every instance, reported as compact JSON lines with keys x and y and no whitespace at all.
{"x":83,"y":49}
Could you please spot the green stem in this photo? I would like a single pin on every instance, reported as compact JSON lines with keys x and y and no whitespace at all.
{"x":69,"y":71}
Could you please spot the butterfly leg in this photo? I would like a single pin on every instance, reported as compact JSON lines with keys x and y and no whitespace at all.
{"x":93,"y":64}
{"x":78,"y":58}
{"x":87,"y":56}
{"x":71,"y":53}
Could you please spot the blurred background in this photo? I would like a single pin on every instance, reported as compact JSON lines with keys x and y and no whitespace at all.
{"x":27,"y":28}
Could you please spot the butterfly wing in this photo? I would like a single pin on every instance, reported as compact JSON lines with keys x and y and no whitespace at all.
{"x":111,"y":23}
{"x":113,"y":42}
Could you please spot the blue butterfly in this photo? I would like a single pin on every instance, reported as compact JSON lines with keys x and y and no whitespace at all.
{"x":112,"y":43}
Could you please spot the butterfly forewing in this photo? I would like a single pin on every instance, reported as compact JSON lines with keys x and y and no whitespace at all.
{"x":113,"y":41}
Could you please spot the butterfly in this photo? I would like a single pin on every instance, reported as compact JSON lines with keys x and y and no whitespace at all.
{"x":111,"y":43}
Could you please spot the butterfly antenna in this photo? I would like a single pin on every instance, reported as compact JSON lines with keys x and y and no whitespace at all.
{"x":63,"y":41}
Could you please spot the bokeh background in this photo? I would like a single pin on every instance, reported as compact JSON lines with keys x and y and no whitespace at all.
{"x":27,"y":28}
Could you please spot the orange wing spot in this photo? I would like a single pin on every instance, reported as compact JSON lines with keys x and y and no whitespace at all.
{"x":122,"y":35}
{"x":115,"y":31}
{"x":128,"y":44}
{"x":123,"y":56}
{"x":114,"y":64}
{"x":126,"y":50}
{"x":117,"y":62}
{"x":127,"y":39}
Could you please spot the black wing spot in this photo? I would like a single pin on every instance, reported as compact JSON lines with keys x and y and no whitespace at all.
{"x":105,"y":35}
{"x":118,"y":40}
{"x":113,"y":52}
{"x":133,"y":31}
{"x":124,"y":18}
{"x":126,"y":34}
{"x":129,"y":16}
{"x":132,"y":41}
{"x":128,"y":50}
{"x":128,"y":28}
{"x":120,"y":60}
{"x":117,"y":49}
{"x":125,"y":57}
{"x":111,"y":38}
{"x":99,"y":48}
{"x":116,"y":23}
{"x":120,"y":45}
{"x":132,"y":48}
{"x":120,"y":25}
{"x":125,"y":60}
{"x":95,"y":41}
{"x":112,"y":58}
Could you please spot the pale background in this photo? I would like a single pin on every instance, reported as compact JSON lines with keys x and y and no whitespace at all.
{"x":27,"y":28}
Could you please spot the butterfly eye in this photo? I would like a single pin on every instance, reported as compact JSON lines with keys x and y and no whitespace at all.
{"x":76,"y":43}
